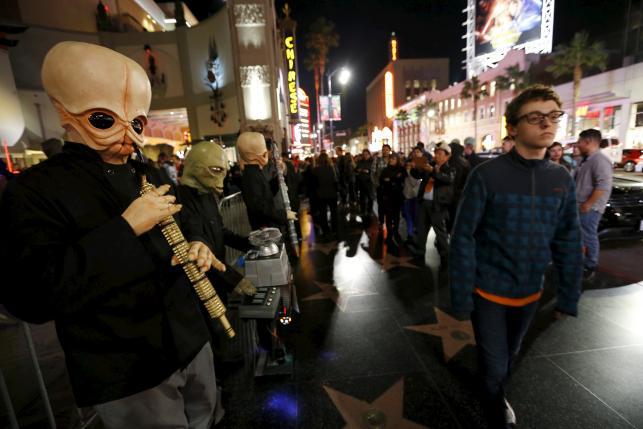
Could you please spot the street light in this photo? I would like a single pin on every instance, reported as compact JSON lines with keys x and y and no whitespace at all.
{"x":344,"y":77}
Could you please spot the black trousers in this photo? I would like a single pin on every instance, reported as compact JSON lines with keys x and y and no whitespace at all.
{"x":326,"y":204}
{"x":432,"y":215}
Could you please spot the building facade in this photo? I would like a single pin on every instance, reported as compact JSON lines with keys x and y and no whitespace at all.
{"x":610,"y":101}
{"x":400,"y":81}
{"x":211,"y":80}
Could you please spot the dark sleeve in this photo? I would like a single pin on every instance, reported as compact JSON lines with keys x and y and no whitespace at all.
{"x":235,"y":240}
{"x":228,"y":280}
{"x":47,"y":274}
{"x":462,"y":252}
{"x":446,"y":175}
{"x":259,"y":200}
{"x":190,"y":218}
{"x":567,"y":253}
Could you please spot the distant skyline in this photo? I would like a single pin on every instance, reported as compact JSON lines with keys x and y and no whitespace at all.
{"x":424,"y":29}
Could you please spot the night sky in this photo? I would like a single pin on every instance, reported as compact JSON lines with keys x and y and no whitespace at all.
{"x":424,"y":28}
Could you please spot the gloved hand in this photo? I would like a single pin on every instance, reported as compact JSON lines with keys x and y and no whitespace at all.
{"x":291,"y":215}
{"x":245,"y":287}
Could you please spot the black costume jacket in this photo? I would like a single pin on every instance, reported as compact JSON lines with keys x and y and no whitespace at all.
{"x":125,"y":318}
{"x":260,"y":200}
{"x":205,"y":207}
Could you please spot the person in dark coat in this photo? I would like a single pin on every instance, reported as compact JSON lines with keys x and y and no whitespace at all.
{"x":435,"y":196}
{"x":392,"y":184}
{"x":201,"y":185}
{"x":326,"y":191}
{"x":461,"y":167}
{"x":365,"y":184}
{"x":255,"y":187}
{"x":470,"y":153}
{"x":86,"y":252}
{"x":294,"y":182}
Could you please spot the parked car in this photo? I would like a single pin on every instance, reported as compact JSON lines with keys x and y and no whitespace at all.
{"x":631,"y":159}
{"x":623,"y":215}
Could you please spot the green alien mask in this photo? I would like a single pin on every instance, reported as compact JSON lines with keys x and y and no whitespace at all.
{"x":205,"y":167}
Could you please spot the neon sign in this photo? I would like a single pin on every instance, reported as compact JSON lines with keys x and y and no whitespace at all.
{"x":293,"y":108}
{"x":388,"y":94}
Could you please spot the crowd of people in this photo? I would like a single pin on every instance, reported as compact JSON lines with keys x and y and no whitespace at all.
{"x":86,"y":251}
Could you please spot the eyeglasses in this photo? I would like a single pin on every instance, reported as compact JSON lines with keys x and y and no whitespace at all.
{"x":104,"y":121}
{"x":536,"y":118}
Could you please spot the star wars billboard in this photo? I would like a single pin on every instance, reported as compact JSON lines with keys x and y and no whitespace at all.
{"x":496,"y":26}
{"x":506,"y":23}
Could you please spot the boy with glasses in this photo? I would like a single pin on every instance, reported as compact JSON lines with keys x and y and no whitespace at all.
{"x":518,"y":212}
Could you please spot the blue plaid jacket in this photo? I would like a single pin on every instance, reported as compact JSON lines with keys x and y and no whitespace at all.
{"x":514,"y":217}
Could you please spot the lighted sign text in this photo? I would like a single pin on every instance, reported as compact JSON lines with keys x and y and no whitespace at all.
{"x":292,"y":75}
{"x":388,"y":94}
{"x":394,"y":50}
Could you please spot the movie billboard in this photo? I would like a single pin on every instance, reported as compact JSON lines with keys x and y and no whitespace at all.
{"x":333,"y":113}
{"x":502,"y":24}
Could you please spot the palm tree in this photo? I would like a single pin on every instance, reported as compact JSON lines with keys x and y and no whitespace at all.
{"x":402,"y":116}
{"x":475,"y":91}
{"x":320,"y":39}
{"x":514,"y":79}
{"x":573,"y":58}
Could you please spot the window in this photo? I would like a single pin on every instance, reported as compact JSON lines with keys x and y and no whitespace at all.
{"x":440,"y":107}
{"x":452,"y":103}
{"x":492,"y":88}
{"x":416,"y":83}
{"x":459,"y":103}
{"x":638,"y":121}
{"x":481,"y":112}
{"x":483,"y":88}
{"x":492,"y":111}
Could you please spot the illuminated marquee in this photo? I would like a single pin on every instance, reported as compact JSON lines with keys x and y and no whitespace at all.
{"x":293,"y":108}
{"x":388,"y":94}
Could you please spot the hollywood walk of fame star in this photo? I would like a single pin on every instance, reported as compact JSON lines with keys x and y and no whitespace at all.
{"x":386,"y":411}
{"x":388,"y":262}
{"x":455,"y":333}
{"x":339,"y":297}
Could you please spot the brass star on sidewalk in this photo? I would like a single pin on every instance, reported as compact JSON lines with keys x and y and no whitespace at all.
{"x":389,"y":262}
{"x":386,"y":411}
{"x":339,"y":297}
{"x":325,"y":248}
{"x":455,"y":333}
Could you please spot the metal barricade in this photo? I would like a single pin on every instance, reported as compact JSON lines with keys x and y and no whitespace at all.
{"x":235,"y":219}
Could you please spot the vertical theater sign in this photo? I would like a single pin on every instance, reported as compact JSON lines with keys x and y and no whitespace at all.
{"x":290,"y":52}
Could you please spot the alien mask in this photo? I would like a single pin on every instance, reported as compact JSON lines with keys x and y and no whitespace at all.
{"x":205,"y":167}
{"x":100,"y":95}
{"x":252,"y":149}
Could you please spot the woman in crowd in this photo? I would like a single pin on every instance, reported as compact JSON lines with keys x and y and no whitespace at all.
{"x":555,"y":152}
{"x":365,"y":184}
{"x":392,"y":185}
{"x":411,"y":189}
{"x":325,"y":185}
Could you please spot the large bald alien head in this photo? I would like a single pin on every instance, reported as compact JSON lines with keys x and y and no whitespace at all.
{"x":252,"y":149}
{"x":205,"y":167}
{"x":102,"y":97}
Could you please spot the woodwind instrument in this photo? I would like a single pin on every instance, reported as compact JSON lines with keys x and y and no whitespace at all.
{"x":199,"y":280}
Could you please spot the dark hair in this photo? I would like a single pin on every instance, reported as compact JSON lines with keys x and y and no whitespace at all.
{"x":508,"y":137}
{"x":591,"y":134}
{"x":532,"y":93}
{"x":386,"y":145}
{"x":419,"y":145}
{"x":323,"y":159}
{"x":554,"y":144}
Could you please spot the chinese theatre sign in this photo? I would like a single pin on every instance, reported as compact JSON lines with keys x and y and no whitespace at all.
{"x":291,"y":64}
